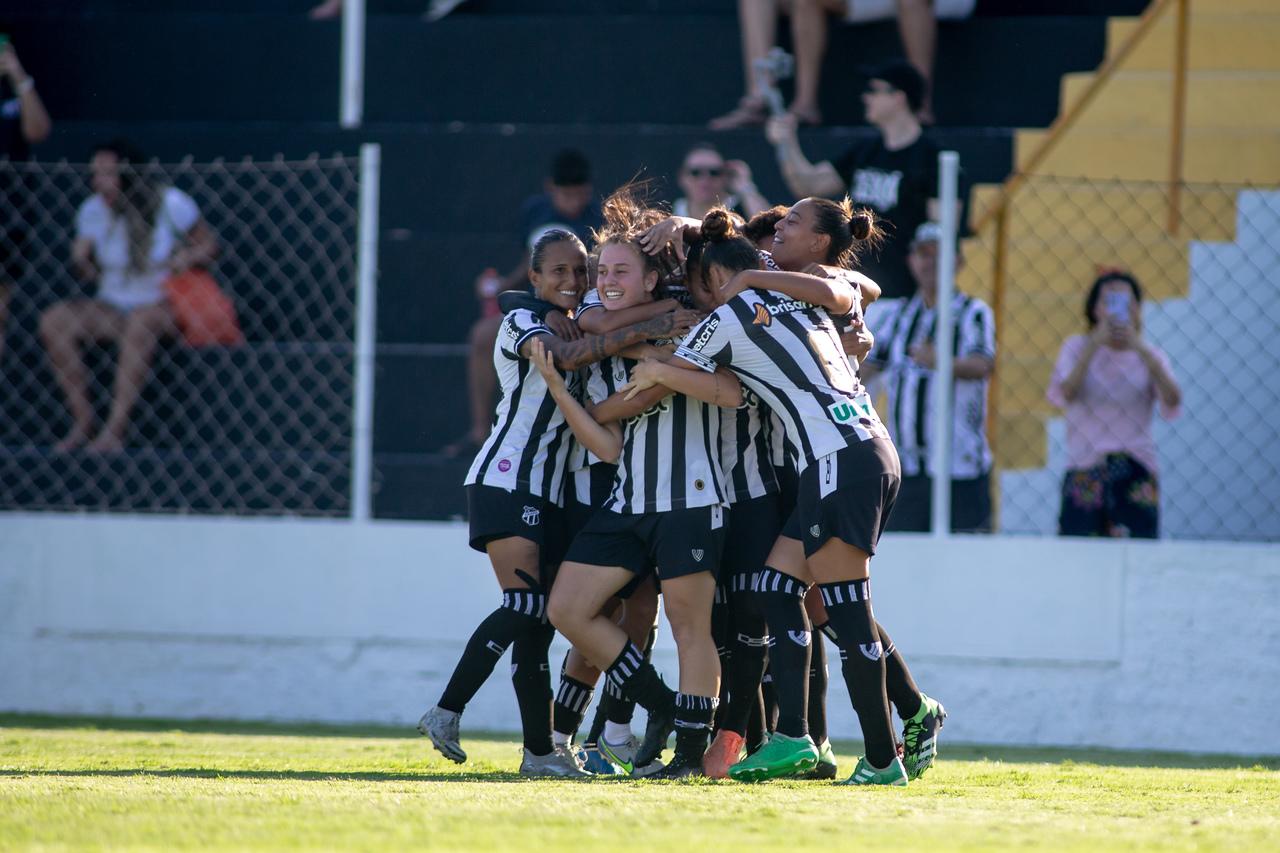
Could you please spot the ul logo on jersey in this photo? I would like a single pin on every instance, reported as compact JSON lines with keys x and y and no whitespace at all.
{"x":531,"y":516}
{"x":763,"y":317}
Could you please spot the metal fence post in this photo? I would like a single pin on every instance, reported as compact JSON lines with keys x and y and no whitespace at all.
{"x":366,"y":334}
{"x":944,"y":383}
{"x":351,"y":87}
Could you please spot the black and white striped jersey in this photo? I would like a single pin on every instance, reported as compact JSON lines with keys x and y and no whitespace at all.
{"x":789,"y":352}
{"x":601,"y":379}
{"x":528,"y":448}
{"x":904,"y":323}
{"x":745,"y":454}
{"x":670,"y":458}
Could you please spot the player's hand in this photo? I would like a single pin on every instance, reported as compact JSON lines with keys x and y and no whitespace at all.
{"x":819,"y":270}
{"x":857,"y":341}
{"x":545,"y":361}
{"x":565,"y":329}
{"x":643,"y":377}
{"x":668,"y":232}
{"x":780,"y":130}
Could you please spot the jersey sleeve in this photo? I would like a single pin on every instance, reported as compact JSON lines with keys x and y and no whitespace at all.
{"x":882,"y":320}
{"x":590,"y":299}
{"x":181,"y":209}
{"x":518,"y":327}
{"x":978,"y":331}
{"x":708,"y":344}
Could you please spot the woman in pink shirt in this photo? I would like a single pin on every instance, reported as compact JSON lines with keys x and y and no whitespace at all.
{"x":1108,"y":382}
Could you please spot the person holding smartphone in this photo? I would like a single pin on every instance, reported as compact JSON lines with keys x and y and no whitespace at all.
{"x":1108,"y":383}
{"x":24,"y":122}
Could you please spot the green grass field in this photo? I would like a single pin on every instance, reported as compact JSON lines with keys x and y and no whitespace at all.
{"x":115,"y":784}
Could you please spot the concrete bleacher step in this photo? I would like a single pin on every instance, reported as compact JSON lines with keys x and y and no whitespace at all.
{"x":1219,"y":40}
{"x":1232,"y":155}
{"x":1215,"y":99}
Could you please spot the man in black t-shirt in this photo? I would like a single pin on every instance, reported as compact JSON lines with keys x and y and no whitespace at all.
{"x":23,"y":122}
{"x":896,"y":175}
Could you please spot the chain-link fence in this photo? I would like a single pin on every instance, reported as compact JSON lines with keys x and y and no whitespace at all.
{"x":1077,"y":445}
{"x":240,"y":411}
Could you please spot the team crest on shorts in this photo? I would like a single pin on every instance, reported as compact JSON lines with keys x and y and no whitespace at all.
{"x":531,"y":516}
{"x":815,"y":531}
{"x":698,"y":554}
{"x":800,"y":638}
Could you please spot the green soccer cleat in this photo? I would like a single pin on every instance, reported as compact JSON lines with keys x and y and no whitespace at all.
{"x":920,"y":737}
{"x":864,"y":774}
{"x":826,"y":767}
{"x":782,"y":756}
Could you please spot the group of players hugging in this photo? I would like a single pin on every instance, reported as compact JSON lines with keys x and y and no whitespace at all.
{"x":681,"y":415}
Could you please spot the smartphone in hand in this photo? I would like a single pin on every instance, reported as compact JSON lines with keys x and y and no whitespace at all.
{"x":1117,"y":305}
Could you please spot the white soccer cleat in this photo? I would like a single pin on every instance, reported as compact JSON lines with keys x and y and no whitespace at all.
{"x":442,"y":727}
{"x":560,"y":763}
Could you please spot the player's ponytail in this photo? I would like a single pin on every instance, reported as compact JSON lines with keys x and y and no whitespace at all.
{"x":850,"y":229}
{"x":724,"y":244}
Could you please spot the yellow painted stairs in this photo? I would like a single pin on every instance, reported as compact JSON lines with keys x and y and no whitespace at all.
{"x":1100,"y":198}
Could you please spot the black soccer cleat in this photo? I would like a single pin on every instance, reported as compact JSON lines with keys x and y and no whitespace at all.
{"x":662,"y":722}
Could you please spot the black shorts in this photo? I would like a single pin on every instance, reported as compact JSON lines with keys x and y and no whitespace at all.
{"x":753,"y":529}
{"x":495,"y":513}
{"x":970,"y":505}
{"x":579,"y":507}
{"x":848,"y":495}
{"x":675,"y":543}
{"x":788,"y":487}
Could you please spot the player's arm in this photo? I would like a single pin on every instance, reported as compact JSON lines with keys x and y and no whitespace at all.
{"x":599,"y":321}
{"x":835,"y":294}
{"x":618,"y":407}
{"x":605,"y":441}
{"x":720,"y":388}
{"x":571,"y":355}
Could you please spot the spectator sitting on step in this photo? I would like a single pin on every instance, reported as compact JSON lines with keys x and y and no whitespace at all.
{"x":904,"y":353}
{"x":708,"y":180}
{"x":568,"y":203}
{"x":131,"y":235}
{"x":917,"y":27}
{"x":23,"y":122}
{"x":1108,"y":382}
{"x":895,"y":174}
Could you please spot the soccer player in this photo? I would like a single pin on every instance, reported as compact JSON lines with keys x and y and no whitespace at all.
{"x":514,"y":490}
{"x":782,"y":342}
{"x":666,"y":513}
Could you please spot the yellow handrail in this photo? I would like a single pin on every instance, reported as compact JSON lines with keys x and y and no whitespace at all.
{"x":1179,"y":117}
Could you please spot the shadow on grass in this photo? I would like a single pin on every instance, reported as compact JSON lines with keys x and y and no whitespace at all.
{"x":950,"y":750}
{"x":300,"y":775}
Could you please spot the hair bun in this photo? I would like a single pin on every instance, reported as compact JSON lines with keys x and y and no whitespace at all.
{"x":861,"y":223}
{"x":718,"y":226}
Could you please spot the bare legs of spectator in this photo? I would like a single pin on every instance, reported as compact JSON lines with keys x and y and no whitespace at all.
{"x":65,"y":327}
{"x":481,"y":384}
{"x":758,"y":20}
{"x":918,"y":28}
{"x":809,"y":34}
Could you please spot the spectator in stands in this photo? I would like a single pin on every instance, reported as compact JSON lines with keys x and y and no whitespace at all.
{"x":895,"y":174}
{"x":917,"y":26}
{"x":131,"y":235}
{"x":708,"y":180}
{"x":1108,"y":382}
{"x":904,"y":353}
{"x":567,"y":202}
{"x":23,"y":122}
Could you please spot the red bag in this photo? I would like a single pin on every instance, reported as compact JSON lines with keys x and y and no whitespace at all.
{"x":203,"y":312}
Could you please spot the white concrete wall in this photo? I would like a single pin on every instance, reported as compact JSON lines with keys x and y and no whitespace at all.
{"x":1166,"y":645}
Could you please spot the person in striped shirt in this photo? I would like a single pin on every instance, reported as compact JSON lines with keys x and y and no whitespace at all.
{"x":904,"y":355}
{"x":776,"y":332}
{"x":665,"y":514}
{"x":514,"y":491}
